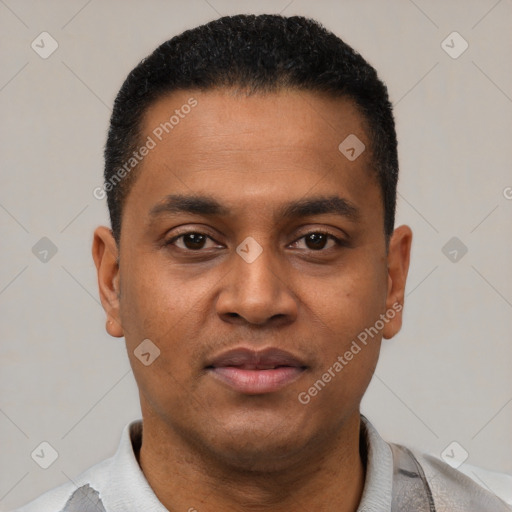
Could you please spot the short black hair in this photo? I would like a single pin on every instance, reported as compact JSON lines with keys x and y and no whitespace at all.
{"x":257,"y":53}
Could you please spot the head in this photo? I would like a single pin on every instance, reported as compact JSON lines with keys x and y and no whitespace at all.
{"x":251,"y":172}
{"x":296,"y":53}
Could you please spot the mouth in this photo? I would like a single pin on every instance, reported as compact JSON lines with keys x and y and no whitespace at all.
{"x":256,"y":372}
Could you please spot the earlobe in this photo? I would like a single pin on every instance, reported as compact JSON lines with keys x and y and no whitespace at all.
{"x":398,"y":267}
{"x":105,"y":256}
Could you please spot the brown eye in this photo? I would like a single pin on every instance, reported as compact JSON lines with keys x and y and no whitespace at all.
{"x":194,"y":240}
{"x":318,"y":240}
{"x":191,"y":241}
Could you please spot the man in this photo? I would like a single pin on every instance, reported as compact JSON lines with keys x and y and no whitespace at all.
{"x":253,"y":268}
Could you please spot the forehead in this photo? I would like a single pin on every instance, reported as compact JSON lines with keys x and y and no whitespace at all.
{"x":257,"y":122}
{"x":253,"y":148}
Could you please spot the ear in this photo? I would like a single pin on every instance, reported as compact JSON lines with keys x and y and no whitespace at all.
{"x":105,"y":255}
{"x":399,"y":254}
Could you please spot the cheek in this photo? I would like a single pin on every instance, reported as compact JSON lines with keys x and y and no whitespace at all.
{"x":154,"y":301}
{"x":351,"y":301}
{"x":155,"y":308}
{"x":348,"y":308}
{"x":162,"y":305}
{"x":350,"y":344}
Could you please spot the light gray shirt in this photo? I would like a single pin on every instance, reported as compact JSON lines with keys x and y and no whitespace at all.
{"x":397,"y":480}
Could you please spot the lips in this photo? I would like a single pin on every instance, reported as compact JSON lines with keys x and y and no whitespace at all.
{"x":256,"y":372}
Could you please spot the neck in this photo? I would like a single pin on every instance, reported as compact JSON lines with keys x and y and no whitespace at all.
{"x":328,"y":477}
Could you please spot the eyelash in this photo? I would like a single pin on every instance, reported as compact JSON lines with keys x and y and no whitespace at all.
{"x":339,"y":242}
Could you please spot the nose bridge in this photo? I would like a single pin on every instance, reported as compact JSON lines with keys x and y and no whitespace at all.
{"x":255,"y":266}
{"x":255,"y":290}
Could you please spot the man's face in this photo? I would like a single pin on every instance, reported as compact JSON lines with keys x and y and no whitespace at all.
{"x":257,"y":278}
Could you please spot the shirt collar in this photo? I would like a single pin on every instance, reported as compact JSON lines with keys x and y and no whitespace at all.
{"x":127,"y":487}
{"x":379,"y":471}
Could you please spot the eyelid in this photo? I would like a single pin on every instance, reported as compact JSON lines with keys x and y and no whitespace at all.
{"x":324,"y":231}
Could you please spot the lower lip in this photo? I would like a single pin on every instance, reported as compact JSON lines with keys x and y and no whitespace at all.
{"x":255,"y":382}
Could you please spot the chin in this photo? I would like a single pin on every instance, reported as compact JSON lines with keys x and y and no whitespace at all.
{"x":258,"y":459}
{"x":258,"y":446}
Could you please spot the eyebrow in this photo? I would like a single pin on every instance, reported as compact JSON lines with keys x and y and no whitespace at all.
{"x":208,"y":206}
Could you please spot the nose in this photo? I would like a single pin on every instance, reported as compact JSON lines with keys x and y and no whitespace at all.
{"x":255,"y":291}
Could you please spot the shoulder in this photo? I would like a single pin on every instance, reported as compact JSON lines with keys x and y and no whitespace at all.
{"x":116,"y":483}
{"x":454,"y":491}
{"x":82,"y":494}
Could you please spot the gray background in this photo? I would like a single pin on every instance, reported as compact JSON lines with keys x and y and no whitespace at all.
{"x":445,"y":377}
